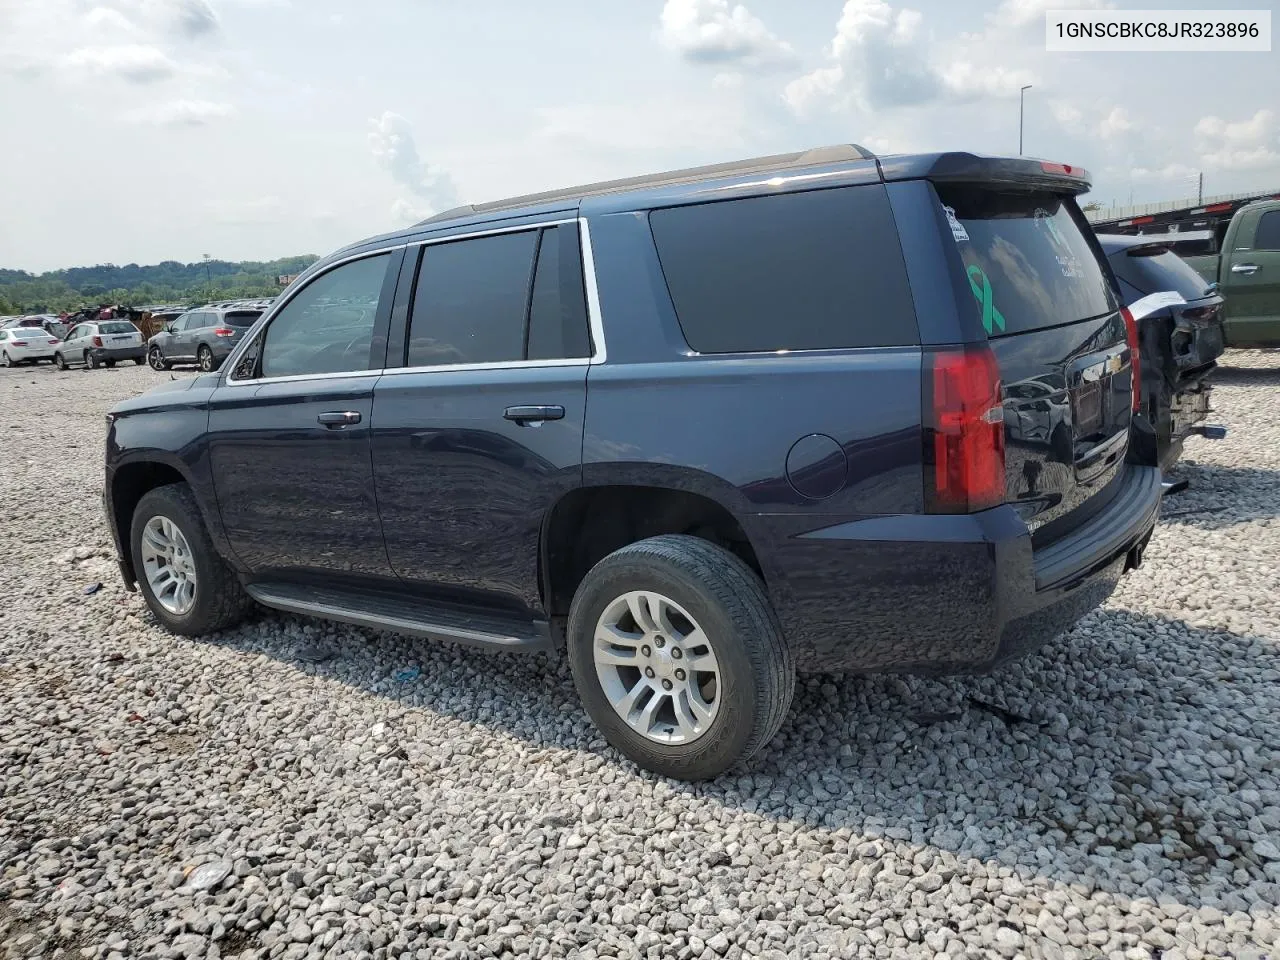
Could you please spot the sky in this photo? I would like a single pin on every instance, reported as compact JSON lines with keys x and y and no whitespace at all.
{"x":148,"y":130}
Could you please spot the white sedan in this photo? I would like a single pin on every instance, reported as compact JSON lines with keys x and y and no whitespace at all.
{"x":23,"y":344}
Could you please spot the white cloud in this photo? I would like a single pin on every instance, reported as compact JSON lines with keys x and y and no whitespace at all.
{"x":181,"y":113}
{"x":882,"y":60}
{"x":432,"y":189}
{"x":1170,"y":171}
{"x":105,"y":18}
{"x":1115,"y":124}
{"x":1018,"y":14}
{"x":136,"y":63}
{"x":728,"y":80}
{"x":260,"y":210}
{"x":1240,"y":144}
{"x":710,"y":31}
{"x":183,"y":18}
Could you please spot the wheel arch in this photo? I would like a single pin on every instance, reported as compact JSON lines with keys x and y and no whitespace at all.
{"x":130,"y":481}
{"x":588,"y":523}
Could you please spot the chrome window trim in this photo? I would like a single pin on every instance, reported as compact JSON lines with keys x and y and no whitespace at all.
{"x":594,"y":320}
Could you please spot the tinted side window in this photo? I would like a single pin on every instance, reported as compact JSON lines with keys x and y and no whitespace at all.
{"x":470,"y":300}
{"x":1268,"y":235}
{"x":558,"y":309}
{"x":800,"y":271}
{"x":328,"y":326}
{"x":1154,"y":272}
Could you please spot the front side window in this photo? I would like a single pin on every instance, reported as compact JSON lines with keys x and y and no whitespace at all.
{"x":1268,"y":235}
{"x":327,"y":327}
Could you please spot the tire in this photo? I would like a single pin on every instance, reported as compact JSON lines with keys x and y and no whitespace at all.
{"x":204,"y":356}
{"x":724,"y":597}
{"x":109,"y":364}
{"x":139,"y":361}
{"x":220,"y":600}
{"x":59,"y":361}
{"x":5,"y":359}
{"x":156,"y":359}
{"x":90,"y":360}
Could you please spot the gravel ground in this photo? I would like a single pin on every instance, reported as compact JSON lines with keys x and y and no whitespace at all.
{"x":1116,"y":795}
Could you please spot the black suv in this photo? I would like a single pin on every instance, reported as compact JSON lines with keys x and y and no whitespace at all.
{"x":818,"y":411}
{"x":204,"y":336}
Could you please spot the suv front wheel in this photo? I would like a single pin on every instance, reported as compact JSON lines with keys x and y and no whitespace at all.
{"x":678,"y":656}
{"x":185,"y":582}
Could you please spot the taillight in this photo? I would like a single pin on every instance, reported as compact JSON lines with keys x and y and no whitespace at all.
{"x":1135,"y":355}
{"x":223,"y":332}
{"x":964,"y":443}
{"x":19,"y":343}
{"x":97,"y":341}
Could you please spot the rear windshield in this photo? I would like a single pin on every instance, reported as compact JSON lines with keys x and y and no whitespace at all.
{"x":242,"y":318}
{"x":1155,"y":272}
{"x":117,"y":326}
{"x":1027,"y":262}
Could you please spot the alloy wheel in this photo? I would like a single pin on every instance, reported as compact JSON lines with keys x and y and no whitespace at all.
{"x":168,"y":565}
{"x":657,"y":667}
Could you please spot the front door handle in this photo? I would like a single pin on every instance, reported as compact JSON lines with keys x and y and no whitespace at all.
{"x":1248,"y":269}
{"x":534,"y":414}
{"x":339,"y":418}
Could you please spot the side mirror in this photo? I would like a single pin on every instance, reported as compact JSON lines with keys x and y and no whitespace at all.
{"x":168,"y":328}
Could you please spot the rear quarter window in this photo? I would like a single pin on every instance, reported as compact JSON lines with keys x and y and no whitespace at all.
{"x":1026,"y":260}
{"x":816,"y":270}
{"x":241,"y":318}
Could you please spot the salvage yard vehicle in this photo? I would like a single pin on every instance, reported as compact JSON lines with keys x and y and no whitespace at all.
{"x":1243,"y":259}
{"x":25,"y":345}
{"x":1179,"y":317}
{"x":205,"y":337}
{"x":702,"y":429}
{"x":100,"y":343}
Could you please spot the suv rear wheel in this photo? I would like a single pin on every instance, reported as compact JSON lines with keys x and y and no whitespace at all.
{"x":205,"y":356}
{"x":678,"y":656}
{"x":185,"y":582}
{"x":90,"y":360}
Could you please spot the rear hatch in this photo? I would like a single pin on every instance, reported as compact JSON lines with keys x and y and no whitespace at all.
{"x":1176,"y":309}
{"x":119,"y":333}
{"x":238,"y":321}
{"x":1060,"y":343}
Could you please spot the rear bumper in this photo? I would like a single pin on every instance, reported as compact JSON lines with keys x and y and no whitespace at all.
{"x":118,"y":353}
{"x":951,"y":594}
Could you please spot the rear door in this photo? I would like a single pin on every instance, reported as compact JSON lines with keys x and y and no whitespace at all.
{"x":1052,"y":320}
{"x":1251,"y":278}
{"x":479,"y":431}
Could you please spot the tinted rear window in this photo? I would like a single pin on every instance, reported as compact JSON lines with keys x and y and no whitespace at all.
{"x":117,"y":326}
{"x":798,"y":271}
{"x":241,"y":319}
{"x":1158,"y":272}
{"x":1027,"y":262}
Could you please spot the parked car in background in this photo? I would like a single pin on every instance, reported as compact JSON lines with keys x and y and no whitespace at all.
{"x":204,"y":337}
{"x":1234,"y":244}
{"x":101,"y":343}
{"x":703,"y":428}
{"x":26,"y":345}
{"x":1180,"y":323}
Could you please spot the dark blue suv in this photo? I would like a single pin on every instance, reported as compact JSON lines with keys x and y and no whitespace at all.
{"x":820,"y":411}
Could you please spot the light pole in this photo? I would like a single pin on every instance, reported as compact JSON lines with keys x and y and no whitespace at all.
{"x":1022,"y":99}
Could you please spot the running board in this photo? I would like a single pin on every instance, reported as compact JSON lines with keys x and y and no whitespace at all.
{"x":408,"y":615}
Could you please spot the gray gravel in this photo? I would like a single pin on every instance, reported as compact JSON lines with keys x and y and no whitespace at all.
{"x":1117,"y":795}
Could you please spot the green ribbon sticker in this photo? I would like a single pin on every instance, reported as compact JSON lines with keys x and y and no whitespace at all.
{"x":981,"y":287}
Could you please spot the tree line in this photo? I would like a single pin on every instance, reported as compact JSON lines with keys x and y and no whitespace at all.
{"x":133,"y":285}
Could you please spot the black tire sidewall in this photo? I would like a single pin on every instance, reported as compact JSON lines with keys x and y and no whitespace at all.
{"x":730,"y":733}
{"x":89,"y":361}
{"x":59,"y":361}
{"x":164,"y":501}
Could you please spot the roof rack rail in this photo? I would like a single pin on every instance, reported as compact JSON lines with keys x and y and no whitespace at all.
{"x":836,"y":153}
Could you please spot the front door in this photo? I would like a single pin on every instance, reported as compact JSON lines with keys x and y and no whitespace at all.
{"x":479,"y":434}
{"x":1252,"y":280}
{"x":289,"y":430}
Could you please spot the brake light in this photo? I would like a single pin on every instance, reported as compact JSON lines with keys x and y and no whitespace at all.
{"x":1135,"y":355}
{"x":97,"y":341}
{"x":223,"y":332}
{"x":19,"y":343}
{"x":964,"y":446}
{"x":1064,"y":168}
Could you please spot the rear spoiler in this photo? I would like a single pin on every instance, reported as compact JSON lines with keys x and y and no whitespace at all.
{"x":1015,"y":172}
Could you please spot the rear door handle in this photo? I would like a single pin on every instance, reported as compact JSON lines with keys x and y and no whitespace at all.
{"x":1246,"y":268}
{"x":534,"y":414}
{"x":339,"y":418}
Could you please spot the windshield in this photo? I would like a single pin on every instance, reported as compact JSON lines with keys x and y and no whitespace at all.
{"x":1026,"y":260}
{"x":243,"y":318}
{"x":117,"y":326}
